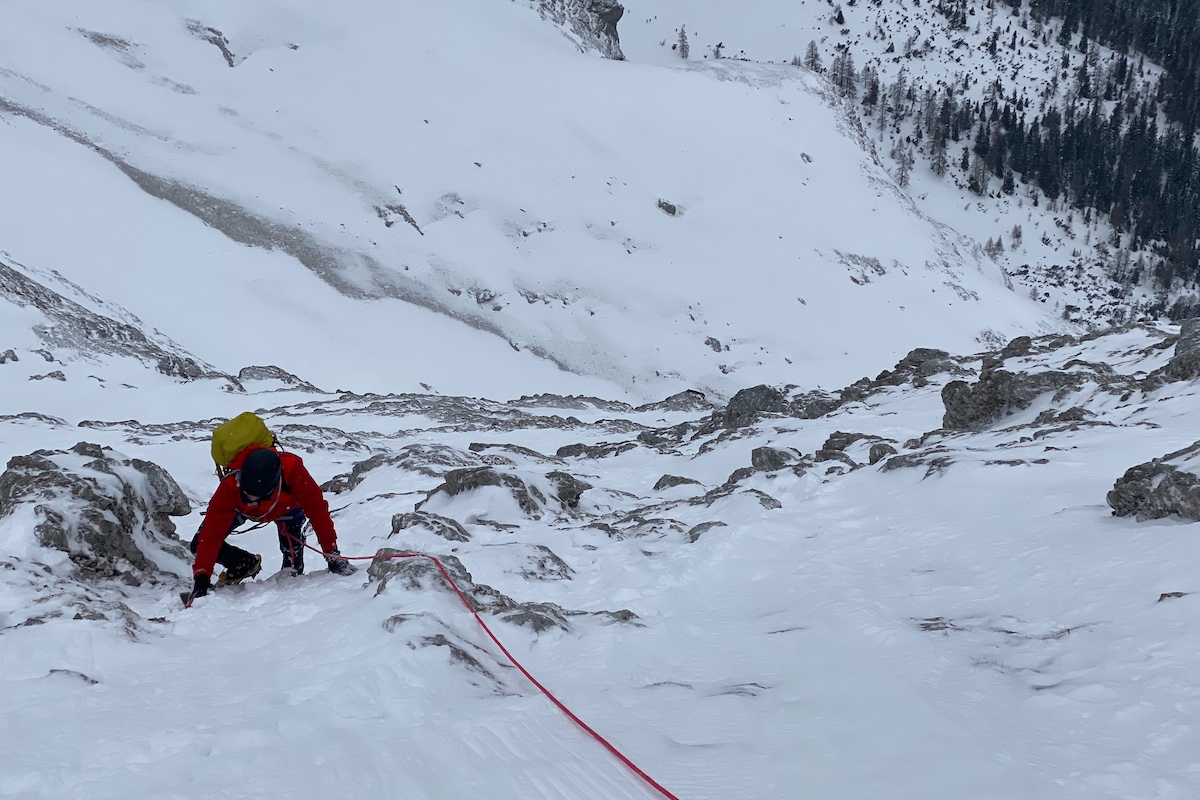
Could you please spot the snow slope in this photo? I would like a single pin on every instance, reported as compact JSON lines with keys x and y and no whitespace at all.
{"x":406,"y":177}
{"x":1061,"y":258}
{"x":967,"y":622}
{"x":961,"y":618}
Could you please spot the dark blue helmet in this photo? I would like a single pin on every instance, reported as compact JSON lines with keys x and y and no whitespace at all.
{"x":259,"y":475}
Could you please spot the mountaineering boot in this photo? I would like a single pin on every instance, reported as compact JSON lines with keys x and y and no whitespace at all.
{"x":248,"y":568}
{"x":339,"y":565}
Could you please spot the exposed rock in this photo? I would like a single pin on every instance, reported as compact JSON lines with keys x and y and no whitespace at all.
{"x":56,"y":375}
{"x":539,"y":616}
{"x":71,"y":326}
{"x":436,"y":524}
{"x":704,"y":527}
{"x":670,"y":481}
{"x":593,"y":23}
{"x":840,"y":440}
{"x":543,"y":564}
{"x":273,"y":373}
{"x":835,"y":455}
{"x":1052,"y":416}
{"x":35,"y":417}
{"x":426,"y":459}
{"x":637,"y":526}
{"x":570,"y":488}
{"x":666,"y":439}
{"x":529,"y":498}
{"x":687,"y":400}
{"x":934,"y":460}
{"x":1017,"y":348}
{"x":748,"y":406}
{"x":880,"y":451}
{"x":108,"y":513}
{"x":479,"y":447}
{"x":1185,"y":363}
{"x":459,"y":654}
{"x":8,"y":355}
{"x":814,"y":404}
{"x":574,"y":402}
{"x":602,"y":450}
{"x":999,"y":393}
{"x":769,"y":459}
{"x":1159,"y":488}
{"x":417,"y":571}
{"x":916,"y":368}
{"x":216,"y":38}
{"x":765,"y":500}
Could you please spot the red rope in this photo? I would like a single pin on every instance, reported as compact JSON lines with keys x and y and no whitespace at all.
{"x":561,"y":707}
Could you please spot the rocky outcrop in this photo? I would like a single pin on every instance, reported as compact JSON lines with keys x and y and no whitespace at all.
{"x":688,"y":400}
{"x":436,"y":524}
{"x":109,"y":514}
{"x":427,"y":459}
{"x":592,"y":23}
{"x":671,"y":481}
{"x":602,"y":450}
{"x":769,"y":459}
{"x":749,"y":405}
{"x":570,"y":488}
{"x":70,"y":326}
{"x":412,"y":571}
{"x":880,"y":451}
{"x":917,"y":368}
{"x":1185,"y":363}
{"x":998,"y":393}
{"x":530,"y":498}
{"x":1160,"y":487}
{"x":277,"y":375}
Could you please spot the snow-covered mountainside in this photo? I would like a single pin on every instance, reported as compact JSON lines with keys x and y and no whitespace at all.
{"x":912,"y":587}
{"x":917,"y":53}
{"x":461,"y":192}
{"x":756,"y":464}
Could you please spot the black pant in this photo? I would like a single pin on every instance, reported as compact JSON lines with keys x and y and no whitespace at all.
{"x":291,"y":539}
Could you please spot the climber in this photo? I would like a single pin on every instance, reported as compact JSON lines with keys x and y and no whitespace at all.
{"x":263,"y":485}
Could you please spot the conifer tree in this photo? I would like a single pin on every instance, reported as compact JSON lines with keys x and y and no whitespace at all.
{"x":812,"y":57}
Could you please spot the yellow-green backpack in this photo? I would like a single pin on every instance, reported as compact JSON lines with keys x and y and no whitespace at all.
{"x":232,"y":437}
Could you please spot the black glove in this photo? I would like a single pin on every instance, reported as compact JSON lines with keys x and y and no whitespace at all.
{"x":339,"y":565}
{"x":202,"y":585}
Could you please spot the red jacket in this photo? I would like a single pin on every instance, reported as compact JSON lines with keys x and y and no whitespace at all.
{"x":300,"y":491}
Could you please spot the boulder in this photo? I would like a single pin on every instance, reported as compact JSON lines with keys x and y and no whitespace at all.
{"x":998,"y":393}
{"x":769,"y":459}
{"x":569,"y":488}
{"x":436,"y":524}
{"x":1160,"y":487}
{"x":748,"y":406}
{"x":109,"y":513}
{"x":671,"y":481}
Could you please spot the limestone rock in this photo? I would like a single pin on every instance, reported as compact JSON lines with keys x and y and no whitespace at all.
{"x":974,"y":407}
{"x":748,"y":406}
{"x":670,"y":481}
{"x":436,"y":524}
{"x":1160,"y":487}
{"x":110,"y":514}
